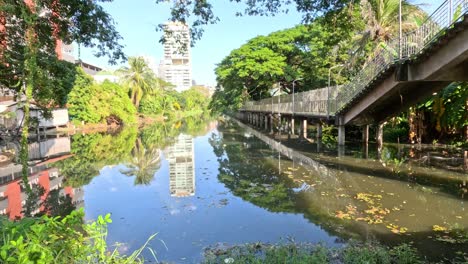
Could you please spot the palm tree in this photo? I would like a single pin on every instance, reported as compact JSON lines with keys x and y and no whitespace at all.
{"x":382,"y":21}
{"x":139,"y":78}
{"x":144,"y":163}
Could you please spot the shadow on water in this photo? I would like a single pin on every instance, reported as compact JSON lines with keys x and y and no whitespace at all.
{"x":388,"y":196}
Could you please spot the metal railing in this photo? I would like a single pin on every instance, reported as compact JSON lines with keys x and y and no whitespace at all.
{"x":386,"y":56}
{"x":312,"y":103}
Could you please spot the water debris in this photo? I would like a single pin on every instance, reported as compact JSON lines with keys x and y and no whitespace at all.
{"x":374,"y":214}
{"x":397,"y":229}
{"x":439,"y":228}
{"x":223,"y":202}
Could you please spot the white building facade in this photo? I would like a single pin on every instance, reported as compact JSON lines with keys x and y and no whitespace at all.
{"x":176,"y":66}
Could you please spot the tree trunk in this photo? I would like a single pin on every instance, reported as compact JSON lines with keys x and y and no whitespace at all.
{"x":416,"y":125}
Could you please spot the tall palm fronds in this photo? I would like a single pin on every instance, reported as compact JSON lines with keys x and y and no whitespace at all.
{"x":382,"y":21}
{"x":139,"y":78}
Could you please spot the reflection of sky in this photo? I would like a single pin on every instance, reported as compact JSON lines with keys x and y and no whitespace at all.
{"x":187,"y":224}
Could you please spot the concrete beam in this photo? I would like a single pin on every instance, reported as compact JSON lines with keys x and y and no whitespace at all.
{"x":413,"y":83}
{"x":442,"y":61}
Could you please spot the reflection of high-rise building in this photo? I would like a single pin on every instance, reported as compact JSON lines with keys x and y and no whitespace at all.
{"x":182,"y":167}
{"x":176,"y":66}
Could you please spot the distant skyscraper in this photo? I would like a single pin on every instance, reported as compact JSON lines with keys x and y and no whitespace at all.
{"x":182,"y":167}
{"x":176,"y":66}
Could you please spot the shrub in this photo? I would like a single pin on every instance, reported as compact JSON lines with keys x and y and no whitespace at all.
{"x":59,"y":240}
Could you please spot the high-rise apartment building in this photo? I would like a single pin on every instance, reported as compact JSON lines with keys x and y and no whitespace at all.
{"x":176,"y":66}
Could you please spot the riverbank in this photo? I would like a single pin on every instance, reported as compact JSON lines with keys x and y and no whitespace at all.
{"x":294,"y":253}
{"x":142,"y":121}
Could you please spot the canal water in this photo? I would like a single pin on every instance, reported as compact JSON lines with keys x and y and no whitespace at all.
{"x":197,"y":184}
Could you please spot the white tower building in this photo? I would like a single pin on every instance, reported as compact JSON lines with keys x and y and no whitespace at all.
{"x":176,"y":66}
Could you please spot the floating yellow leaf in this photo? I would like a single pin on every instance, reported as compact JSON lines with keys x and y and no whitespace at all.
{"x":438,"y":228}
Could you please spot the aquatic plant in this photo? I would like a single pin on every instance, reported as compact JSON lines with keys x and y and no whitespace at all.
{"x":60,"y":240}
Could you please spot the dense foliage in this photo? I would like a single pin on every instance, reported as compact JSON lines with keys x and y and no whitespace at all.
{"x":201,"y":12}
{"x":173,"y":104}
{"x":297,"y":59}
{"x":139,"y":150}
{"x":96,"y":103}
{"x":29,"y":37}
{"x":59,"y":240}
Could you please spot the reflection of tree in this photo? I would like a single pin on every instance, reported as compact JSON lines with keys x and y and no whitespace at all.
{"x":92,"y":152}
{"x":139,"y":149}
{"x":143,"y":164}
{"x":254,"y":180}
{"x":246,"y":167}
{"x":196,"y":126}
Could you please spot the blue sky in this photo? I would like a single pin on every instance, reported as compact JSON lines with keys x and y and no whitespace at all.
{"x":137,"y":20}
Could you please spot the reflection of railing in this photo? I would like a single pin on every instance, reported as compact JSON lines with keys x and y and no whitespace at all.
{"x":290,"y":153}
{"x":386,"y":56}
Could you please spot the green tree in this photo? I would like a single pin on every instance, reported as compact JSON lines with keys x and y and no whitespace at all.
{"x":79,"y":99}
{"x":201,"y":12}
{"x":302,"y":55}
{"x":382,"y":21}
{"x":139,"y":78}
{"x":29,"y":33}
{"x":195,"y":99}
{"x":111,"y":102}
{"x":94,"y":103}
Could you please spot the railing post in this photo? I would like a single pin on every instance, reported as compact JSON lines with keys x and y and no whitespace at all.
{"x":400,"y":34}
{"x":450,"y":12}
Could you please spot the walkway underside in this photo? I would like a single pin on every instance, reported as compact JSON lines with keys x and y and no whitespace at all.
{"x":412,"y":83}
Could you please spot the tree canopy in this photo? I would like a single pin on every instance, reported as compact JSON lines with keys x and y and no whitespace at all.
{"x":201,"y":11}
{"x":299,"y":57}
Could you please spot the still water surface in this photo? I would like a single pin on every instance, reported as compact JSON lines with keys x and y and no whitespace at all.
{"x":198,"y":184}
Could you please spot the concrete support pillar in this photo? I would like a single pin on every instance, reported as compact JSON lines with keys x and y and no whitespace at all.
{"x":271,"y":123}
{"x":341,"y":150}
{"x":341,"y":135}
{"x":379,"y":135}
{"x":304,"y":128}
{"x":319,"y":130}
{"x":365,"y":134}
{"x":319,"y":145}
{"x":293,"y":125}
{"x":465,"y":157}
{"x":365,"y":150}
{"x":266,"y":122}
